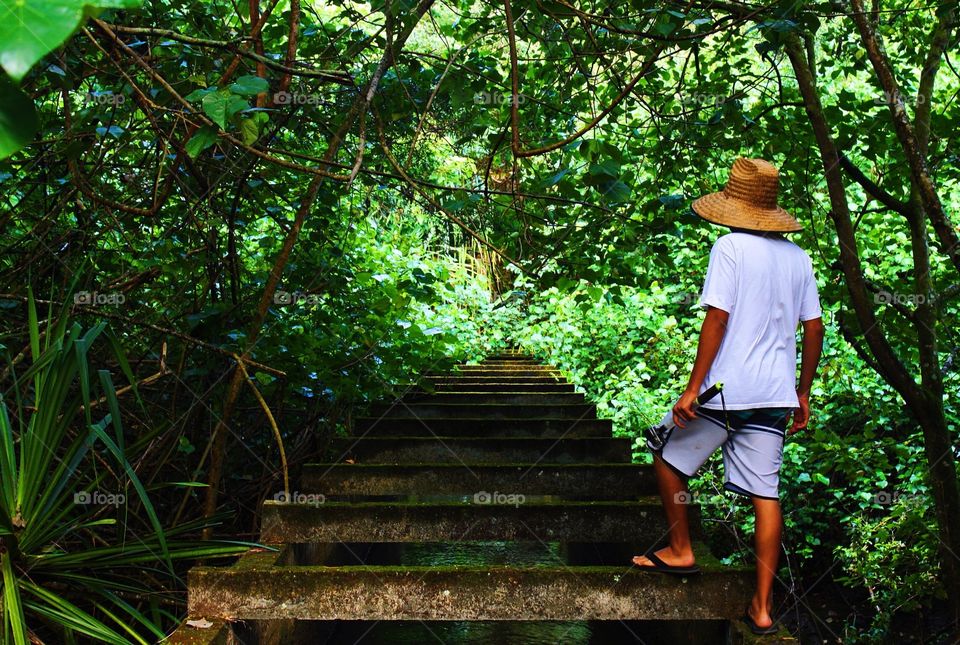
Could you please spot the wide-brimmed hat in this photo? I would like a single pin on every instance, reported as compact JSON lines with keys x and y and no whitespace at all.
{"x":749,"y":200}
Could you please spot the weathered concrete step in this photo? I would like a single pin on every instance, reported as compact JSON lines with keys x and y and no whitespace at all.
{"x":594,"y":481}
{"x":491,"y":372}
{"x":478,"y":450}
{"x":500,"y":380}
{"x":440,"y":386}
{"x":480,"y":370}
{"x":467,"y":593}
{"x":507,"y":516}
{"x":430,"y":410}
{"x":492,"y":429}
{"x":499,"y":397}
{"x":507,"y":365}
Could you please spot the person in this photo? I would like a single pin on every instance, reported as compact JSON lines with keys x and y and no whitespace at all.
{"x":759,"y":286}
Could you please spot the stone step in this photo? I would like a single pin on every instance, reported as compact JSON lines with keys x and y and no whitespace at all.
{"x":516,"y":370}
{"x":490,"y":411}
{"x":492,"y":372}
{"x":478,"y":450}
{"x":500,"y":397}
{"x":507,"y":516}
{"x":490,"y":429}
{"x":440,"y":386}
{"x":593,"y":481}
{"x":500,"y":380}
{"x":505,"y":592}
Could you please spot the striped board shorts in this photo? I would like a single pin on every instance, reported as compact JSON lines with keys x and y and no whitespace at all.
{"x":752,"y":448}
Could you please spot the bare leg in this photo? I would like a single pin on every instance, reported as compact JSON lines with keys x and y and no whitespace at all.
{"x":769,"y":522}
{"x":673,"y":492}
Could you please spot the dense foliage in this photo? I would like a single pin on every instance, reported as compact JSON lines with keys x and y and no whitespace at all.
{"x":341,"y":196}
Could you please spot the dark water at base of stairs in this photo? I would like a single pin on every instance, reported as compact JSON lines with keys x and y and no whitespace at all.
{"x":519,"y":633}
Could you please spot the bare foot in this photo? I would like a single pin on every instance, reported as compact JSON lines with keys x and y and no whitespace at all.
{"x":668,"y":556}
{"x":760,"y":615}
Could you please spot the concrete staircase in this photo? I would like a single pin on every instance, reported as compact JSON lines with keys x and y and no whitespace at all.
{"x":499,"y":496}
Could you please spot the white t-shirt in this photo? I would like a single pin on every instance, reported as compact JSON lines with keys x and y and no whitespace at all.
{"x":767,"y":287}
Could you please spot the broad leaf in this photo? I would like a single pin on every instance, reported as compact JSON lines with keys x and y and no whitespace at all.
{"x":18,"y":118}
{"x":30,"y":29}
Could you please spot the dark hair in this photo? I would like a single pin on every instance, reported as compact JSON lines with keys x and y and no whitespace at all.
{"x":734,"y":229}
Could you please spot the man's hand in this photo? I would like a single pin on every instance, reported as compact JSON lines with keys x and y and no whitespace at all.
{"x":802,"y":416}
{"x":812,"y":347}
{"x":683,"y":411}
{"x":711,"y":335}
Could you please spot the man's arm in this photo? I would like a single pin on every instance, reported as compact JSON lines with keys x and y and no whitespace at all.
{"x":809,"y":358}
{"x":711,"y":334}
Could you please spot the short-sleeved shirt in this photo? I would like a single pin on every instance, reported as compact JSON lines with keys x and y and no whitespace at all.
{"x":767,"y":287}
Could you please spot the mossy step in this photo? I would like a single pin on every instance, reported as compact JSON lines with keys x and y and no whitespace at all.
{"x":468,"y":593}
{"x":594,"y":481}
{"x":485,"y":515}
{"x":428,"y":409}
{"x":500,"y":398}
{"x":446,"y":449}
{"x":505,"y":367}
{"x":486,"y":426}
{"x":457,"y":379}
{"x":493,"y":372}
{"x":490,"y":387}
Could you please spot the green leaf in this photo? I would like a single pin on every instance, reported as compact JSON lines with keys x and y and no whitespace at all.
{"x":30,"y":29}
{"x":12,"y":606}
{"x":249,"y":131}
{"x":201,"y":140}
{"x":18,"y":118}
{"x":121,"y":459}
{"x":615,"y":191}
{"x":554,"y":179}
{"x":249,"y":86}
{"x":221,"y":105}
{"x":198,"y":94}
{"x":607,"y":167}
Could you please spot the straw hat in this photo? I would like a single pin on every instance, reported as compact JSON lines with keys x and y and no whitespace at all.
{"x":749,"y":200}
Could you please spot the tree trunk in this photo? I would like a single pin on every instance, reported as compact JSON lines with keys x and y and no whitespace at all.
{"x":924,"y":402}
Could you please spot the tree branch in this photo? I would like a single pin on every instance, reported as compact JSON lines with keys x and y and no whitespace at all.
{"x":872,"y":188}
{"x":919,"y":172}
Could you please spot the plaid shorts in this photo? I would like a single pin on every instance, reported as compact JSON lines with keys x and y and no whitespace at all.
{"x":752,"y":447}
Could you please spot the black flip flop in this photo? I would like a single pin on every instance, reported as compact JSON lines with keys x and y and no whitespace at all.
{"x":757,"y":629}
{"x":663,"y":567}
